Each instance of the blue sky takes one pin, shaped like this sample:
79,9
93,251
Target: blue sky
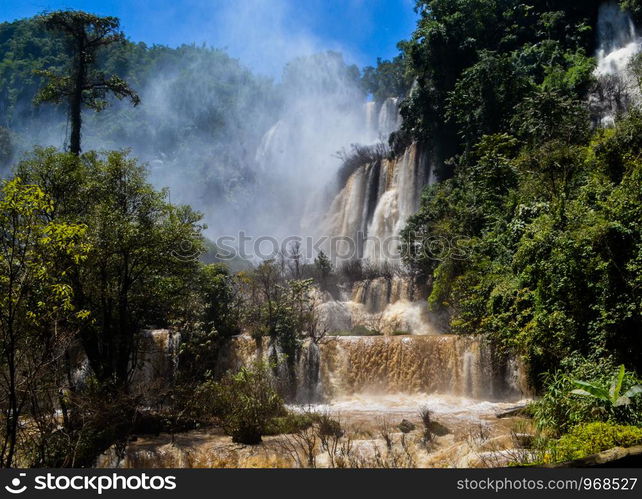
264,34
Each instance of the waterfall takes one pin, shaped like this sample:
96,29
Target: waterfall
401,183
157,356
372,125
618,42
341,367
366,217
389,117
363,222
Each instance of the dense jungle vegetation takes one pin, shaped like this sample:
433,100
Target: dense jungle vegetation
549,204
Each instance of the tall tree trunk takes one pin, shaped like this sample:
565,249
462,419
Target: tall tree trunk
75,100
12,409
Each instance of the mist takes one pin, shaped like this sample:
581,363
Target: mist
254,153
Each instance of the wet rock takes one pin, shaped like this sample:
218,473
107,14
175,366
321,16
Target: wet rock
514,412
406,426
438,429
524,440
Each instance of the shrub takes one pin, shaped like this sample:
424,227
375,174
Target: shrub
245,402
611,395
291,423
97,418
358,157
587,439
559,411
352,271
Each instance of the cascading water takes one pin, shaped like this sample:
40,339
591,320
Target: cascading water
342,367
364,221
371,209
156,360
389,117
618,43
387,305
408,364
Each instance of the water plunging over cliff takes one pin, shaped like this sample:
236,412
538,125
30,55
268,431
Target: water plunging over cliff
618,42
375,203
364,221
339,368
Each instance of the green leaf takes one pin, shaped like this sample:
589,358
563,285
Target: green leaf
633,391
621,401
594,390
583,393
616,386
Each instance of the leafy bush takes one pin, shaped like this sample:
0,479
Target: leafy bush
245,402
209,314
613,395
587,439
559,410
292,422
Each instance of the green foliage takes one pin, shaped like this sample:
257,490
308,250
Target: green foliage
548,115
616,147
245,401
209,314
475,60
559,411
37,305
135,273
6,147
202,121
101,418
282,309
587,439
612,395
292,422
485,96
635,6
387,79
323,267
540,236
81,83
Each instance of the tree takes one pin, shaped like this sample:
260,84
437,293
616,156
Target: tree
548,115
36,301
387,79
6,147
295,255
85,35
137,266
323,267
211,315
485,96
246,401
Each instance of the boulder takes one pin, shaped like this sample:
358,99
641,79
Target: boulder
438,429
406,426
